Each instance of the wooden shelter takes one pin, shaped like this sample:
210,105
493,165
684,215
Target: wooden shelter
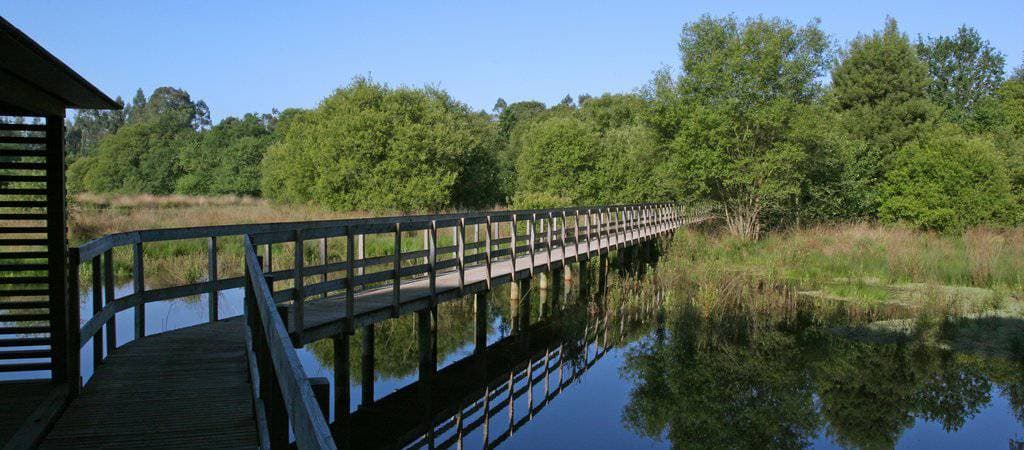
35,312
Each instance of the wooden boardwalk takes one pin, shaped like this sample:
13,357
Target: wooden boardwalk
326,317
194,387
187,388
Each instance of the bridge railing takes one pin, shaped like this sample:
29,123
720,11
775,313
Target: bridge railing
282,395
492,236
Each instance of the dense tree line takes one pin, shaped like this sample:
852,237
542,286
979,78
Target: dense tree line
764,117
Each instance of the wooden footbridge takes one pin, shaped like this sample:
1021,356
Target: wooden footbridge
238,381
234,382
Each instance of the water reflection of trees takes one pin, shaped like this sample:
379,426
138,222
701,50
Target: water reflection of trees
745,377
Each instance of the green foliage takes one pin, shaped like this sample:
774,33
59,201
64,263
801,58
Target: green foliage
879,90
732,135
226,159
601,152
370,147
947,181
965,71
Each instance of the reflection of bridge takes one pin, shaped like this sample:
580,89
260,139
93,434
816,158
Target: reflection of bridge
472,393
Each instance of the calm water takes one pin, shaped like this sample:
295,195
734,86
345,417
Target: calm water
616,369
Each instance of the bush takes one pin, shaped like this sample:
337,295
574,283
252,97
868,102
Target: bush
947,181
370,147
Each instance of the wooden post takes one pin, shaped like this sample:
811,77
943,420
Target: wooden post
461,254
396,279
532,235
367,369
432,260
480,314
551,223
97,305
60,299
322,392
342,395
514,238
74,337
350,285
268,258
108,293
426,338
322,244
360,252
487,249
211,276
299,298
561,236
576,234
138,273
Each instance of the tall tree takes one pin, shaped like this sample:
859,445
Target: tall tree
965,70
732,143
879,89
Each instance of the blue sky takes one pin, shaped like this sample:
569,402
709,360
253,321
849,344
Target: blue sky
252,56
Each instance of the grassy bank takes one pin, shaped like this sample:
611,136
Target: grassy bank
961,290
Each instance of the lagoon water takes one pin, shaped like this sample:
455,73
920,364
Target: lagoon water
639,370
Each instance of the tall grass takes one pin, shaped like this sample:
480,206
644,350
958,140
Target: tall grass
885,254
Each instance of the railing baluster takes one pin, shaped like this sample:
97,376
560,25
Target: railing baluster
514,238
533,238
108,288
487,249
350,307
138,273
432,257
461,254
74,336
323,261
551,223
396,280
299,296
97,305
576,234
211,276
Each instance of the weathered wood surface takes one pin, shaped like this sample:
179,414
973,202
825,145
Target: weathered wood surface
20,399
186,388
326,317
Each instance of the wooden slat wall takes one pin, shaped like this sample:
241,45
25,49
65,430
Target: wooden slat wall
25,253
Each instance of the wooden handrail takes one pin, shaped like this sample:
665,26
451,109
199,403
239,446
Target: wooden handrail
278,365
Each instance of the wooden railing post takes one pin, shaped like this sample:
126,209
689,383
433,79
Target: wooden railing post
350,304
487,249
97,306
138,273
108,294
532,235
576,233
211,276
396,283
561,236
514,238
590,233
432,257
461,254
322,244
299,296
551,223
74,336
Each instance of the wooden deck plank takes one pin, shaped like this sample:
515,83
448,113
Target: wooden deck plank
186,388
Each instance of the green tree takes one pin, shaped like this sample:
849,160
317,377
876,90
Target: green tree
730,139
226,159
965,70
556,158
947,181
370,147
879,89
142,156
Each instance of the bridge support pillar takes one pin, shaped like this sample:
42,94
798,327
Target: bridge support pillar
544,280
480,313
367,370
426,337
342,395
